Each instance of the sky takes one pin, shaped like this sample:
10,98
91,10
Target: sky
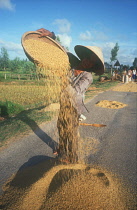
101,23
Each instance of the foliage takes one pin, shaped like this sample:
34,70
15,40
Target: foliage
135,62
9,108
58,39
114,52
4,59
125,67
29,67
16,65
131,67
22,66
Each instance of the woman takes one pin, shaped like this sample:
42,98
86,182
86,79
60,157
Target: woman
134,74
72,100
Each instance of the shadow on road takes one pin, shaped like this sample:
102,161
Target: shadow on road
37,130
31,171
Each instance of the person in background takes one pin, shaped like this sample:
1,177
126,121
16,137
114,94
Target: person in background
113,74
124,73
129,75
134,75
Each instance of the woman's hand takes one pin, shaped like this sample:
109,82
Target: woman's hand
44,32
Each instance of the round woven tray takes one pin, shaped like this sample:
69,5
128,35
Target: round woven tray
35,35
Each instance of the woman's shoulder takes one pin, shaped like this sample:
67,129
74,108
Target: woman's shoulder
86,73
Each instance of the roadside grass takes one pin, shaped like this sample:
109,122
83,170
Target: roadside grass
8,108
98,87
16,125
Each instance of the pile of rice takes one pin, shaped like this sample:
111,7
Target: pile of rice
73,186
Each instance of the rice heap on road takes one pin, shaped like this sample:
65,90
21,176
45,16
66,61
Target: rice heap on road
110,104
74,186
127,87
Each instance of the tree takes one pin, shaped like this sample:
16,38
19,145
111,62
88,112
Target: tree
125,67
4,59
22,66
15,65
135,62
58,39
65,48
114,52
28,67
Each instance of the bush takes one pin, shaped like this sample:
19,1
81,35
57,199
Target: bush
8,108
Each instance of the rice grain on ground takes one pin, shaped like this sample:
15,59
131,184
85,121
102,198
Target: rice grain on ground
73,186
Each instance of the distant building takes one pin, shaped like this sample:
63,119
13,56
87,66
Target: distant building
117,64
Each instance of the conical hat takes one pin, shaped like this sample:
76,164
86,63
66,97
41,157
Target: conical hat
84,52
73,60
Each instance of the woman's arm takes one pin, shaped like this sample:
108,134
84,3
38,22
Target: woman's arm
82,83
45,32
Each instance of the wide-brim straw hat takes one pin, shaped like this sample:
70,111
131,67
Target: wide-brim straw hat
85,51
73,60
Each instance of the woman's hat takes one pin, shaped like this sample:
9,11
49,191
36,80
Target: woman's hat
73,60
87,51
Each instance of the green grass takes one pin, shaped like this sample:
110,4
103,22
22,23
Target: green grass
99,87
8,108
106,85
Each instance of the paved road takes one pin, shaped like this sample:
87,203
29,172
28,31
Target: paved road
116,144
112,147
